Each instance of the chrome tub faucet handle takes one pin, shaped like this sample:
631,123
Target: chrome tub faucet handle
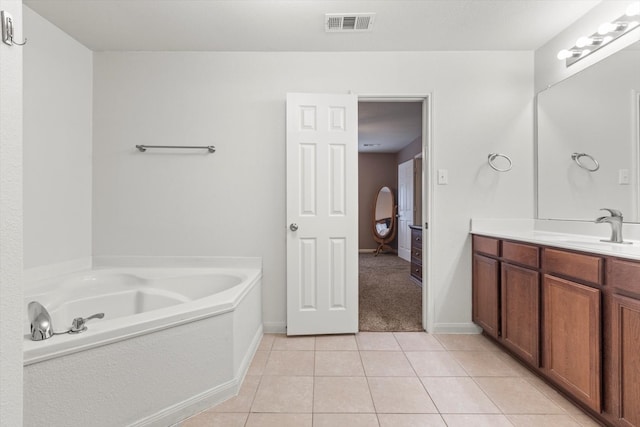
78,324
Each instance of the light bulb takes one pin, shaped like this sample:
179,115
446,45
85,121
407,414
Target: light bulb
633,9
583,41
565,53
606,28
607,39
585,52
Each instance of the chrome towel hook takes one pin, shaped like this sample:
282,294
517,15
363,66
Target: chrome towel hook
576,158
494,156
7,30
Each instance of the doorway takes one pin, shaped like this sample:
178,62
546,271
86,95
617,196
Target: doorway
392,144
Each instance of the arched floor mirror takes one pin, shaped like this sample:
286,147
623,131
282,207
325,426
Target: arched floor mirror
384,220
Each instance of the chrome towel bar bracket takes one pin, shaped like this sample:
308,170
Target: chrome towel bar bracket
209,148
493,156
576,158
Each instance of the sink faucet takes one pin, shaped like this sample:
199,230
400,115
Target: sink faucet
615,219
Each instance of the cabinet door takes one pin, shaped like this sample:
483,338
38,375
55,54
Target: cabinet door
571,330
486,291
521,311
626,359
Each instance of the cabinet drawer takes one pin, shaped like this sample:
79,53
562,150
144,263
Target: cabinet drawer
416,238
416,271
579,266
416,255
624,275
521,254
486,245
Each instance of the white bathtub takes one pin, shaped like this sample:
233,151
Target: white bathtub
173,341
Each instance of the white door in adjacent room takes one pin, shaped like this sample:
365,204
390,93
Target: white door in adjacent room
405,208
322,214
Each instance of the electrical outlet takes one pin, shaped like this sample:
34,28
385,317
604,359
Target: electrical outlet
443,176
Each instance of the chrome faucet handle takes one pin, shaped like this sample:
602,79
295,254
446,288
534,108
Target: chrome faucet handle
614,212
78,324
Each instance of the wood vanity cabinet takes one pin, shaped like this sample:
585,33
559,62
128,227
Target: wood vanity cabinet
520,300
571,329
623,378
486,285
545,305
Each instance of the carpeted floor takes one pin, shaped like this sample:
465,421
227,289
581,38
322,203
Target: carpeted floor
389,299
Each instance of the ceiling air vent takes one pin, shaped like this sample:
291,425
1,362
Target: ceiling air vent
346,22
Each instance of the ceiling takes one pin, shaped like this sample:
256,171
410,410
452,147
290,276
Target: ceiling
298,25
390,126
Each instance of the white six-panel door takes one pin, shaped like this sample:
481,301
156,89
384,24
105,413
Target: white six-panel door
322,214
405,208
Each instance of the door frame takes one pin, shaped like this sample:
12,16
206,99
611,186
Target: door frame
428,304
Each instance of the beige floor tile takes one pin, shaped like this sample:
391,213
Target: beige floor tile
295,362
279,420
466,342
242,402
384,341
258,363
284,394
556,397
386,364
348,420
342,394
584,420
267,342
458,395
417,341
435,364
516,365
477,420
336,343
542,421
484,364
400,395
283,342
517,396
411,420
213,419
338,364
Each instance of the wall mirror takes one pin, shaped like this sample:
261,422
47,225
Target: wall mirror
384,219
588,141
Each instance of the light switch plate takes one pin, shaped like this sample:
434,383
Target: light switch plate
443,176
623,176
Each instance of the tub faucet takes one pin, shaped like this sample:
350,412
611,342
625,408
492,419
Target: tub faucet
42,329
615,219
40,320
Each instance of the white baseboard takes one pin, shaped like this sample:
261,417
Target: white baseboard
456,328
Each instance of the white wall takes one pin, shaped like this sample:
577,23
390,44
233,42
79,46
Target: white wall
11,308
57,145
549,70
233,202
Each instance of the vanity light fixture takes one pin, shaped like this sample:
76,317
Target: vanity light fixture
607,32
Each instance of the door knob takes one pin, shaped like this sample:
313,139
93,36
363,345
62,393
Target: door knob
293,227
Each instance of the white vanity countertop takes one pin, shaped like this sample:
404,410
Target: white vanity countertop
524,231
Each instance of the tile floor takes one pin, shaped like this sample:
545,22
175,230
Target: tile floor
389,379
